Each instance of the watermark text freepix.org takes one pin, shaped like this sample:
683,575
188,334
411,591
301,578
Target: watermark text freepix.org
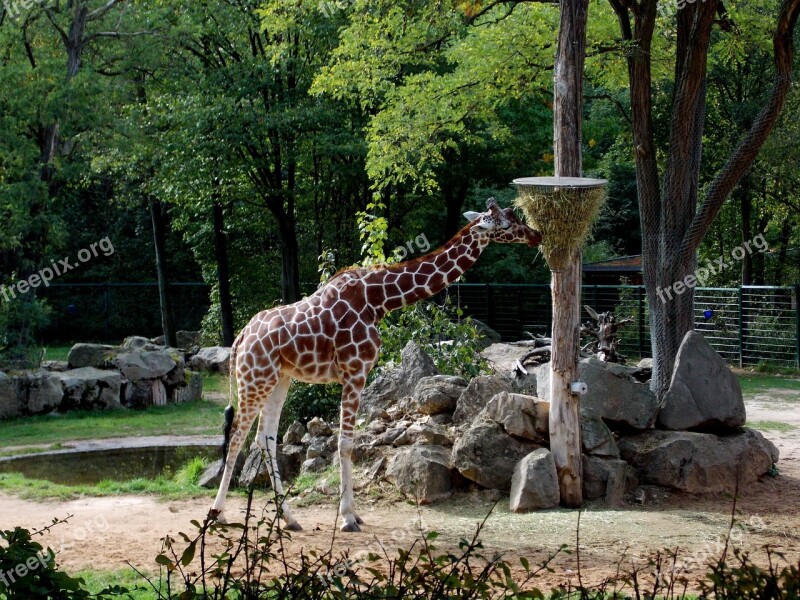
56,269
701,275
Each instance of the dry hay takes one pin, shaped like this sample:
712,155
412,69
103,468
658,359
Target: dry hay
564,217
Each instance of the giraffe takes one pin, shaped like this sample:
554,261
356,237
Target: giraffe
332,336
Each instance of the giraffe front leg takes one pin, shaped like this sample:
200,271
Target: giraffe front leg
351,396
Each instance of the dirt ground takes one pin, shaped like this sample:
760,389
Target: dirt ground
105,532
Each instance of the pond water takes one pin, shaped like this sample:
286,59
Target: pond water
87,467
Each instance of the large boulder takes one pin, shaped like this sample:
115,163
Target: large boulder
613,394
534,483
438,393
192,390
215,359
608,479
476,396
597,438
43,392
487,455
12,402
394,385
520,415
89,388
139,366
704,393
422,471
254,470
699,462
91,355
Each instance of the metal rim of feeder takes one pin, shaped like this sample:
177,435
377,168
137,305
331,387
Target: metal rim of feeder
564,222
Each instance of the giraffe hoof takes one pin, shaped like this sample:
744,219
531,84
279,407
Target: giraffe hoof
217,516
293,527
359,520
351,527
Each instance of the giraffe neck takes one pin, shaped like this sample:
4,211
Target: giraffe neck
408,282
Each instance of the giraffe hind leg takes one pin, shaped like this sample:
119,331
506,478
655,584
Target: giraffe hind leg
267,440
250,402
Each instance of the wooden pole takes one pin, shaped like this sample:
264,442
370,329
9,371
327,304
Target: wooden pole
565,425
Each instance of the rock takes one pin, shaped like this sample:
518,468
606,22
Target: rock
192,391
56,366
91,355
613,394
212,476
138,366
12,403
488,335
502,357
645,363
609,479
318,447
487,455
480,390
534,483
43,392
318,427
699,462
523,416
254,470
137,394
393,385
376,469
422,471
140,343
377,414
597,438
313,465
294,433
388,437
427,433
438,393
703,393
363,448
88,388
215,359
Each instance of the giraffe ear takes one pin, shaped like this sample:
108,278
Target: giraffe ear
472,215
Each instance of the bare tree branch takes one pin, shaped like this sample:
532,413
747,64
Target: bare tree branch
103,10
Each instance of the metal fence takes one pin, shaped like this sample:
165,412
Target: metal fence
113,311
746,325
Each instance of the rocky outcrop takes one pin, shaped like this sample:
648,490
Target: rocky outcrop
422,471
703,394
520,415
699,462
215,359
476,396
534,483
487,455
89,388
438,394
608,479
391,386
98,356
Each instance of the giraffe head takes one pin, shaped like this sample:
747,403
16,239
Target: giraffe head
502,225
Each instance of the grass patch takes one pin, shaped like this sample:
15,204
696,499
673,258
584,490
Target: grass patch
56,352
756,383
128,578
771,426
193,418
216,383
40,489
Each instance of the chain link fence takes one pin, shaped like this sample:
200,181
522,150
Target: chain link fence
747,325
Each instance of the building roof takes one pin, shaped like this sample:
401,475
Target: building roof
622,264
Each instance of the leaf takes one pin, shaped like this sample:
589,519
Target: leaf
188,554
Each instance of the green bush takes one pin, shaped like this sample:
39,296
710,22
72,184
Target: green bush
308,400
20,319
452,341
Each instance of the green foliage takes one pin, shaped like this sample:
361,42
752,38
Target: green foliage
20,319
452,341
28,570
306,401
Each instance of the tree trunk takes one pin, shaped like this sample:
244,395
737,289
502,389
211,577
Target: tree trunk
223,276
290,264
744,192
160,242
565,425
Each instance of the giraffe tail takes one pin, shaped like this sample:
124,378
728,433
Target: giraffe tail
230,411
226,431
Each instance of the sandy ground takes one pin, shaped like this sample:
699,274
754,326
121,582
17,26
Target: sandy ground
104,533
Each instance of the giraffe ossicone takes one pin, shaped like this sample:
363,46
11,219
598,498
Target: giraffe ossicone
332,336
